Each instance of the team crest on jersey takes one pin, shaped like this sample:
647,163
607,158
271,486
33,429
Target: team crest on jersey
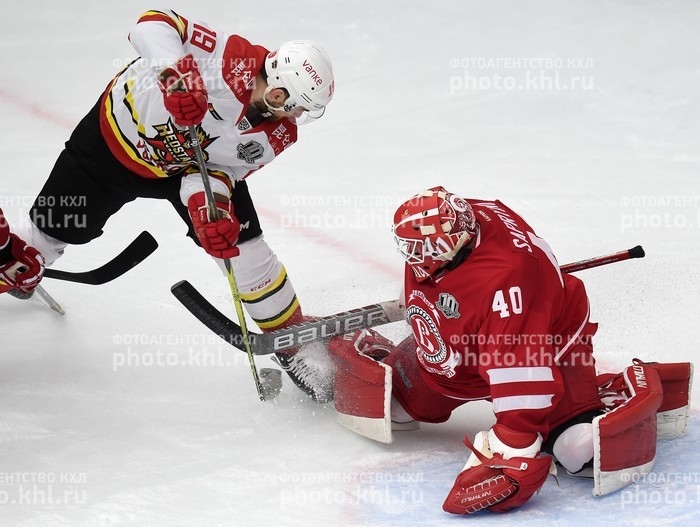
171,149
433,353
250,152
433,348
448,304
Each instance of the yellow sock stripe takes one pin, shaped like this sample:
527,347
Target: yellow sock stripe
281,318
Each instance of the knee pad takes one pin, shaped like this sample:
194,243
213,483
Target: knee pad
574,447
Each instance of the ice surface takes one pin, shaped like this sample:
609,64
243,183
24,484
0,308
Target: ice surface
128,412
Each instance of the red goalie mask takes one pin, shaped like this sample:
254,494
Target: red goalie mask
430,228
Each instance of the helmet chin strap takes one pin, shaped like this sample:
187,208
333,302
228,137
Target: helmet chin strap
305,118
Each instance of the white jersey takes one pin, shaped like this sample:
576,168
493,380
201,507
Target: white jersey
143,135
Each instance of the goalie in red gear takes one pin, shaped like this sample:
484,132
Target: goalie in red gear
493,317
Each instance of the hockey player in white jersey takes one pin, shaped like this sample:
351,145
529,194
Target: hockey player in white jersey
245,103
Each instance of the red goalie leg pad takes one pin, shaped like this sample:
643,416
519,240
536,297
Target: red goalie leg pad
676,379
674,413
362,385
625,438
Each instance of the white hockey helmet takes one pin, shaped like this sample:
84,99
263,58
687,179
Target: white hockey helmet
304,69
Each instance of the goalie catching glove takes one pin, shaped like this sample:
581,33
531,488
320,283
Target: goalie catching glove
504,471
218,237
184,93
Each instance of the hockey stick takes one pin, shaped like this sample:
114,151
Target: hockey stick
268,382
634,252
137,251
331,325
46,297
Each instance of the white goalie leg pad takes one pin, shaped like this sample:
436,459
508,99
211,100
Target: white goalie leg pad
624,439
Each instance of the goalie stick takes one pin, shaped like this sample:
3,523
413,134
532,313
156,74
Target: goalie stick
330,325
136,252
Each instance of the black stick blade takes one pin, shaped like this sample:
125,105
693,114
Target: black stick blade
207,314
136,252
636,252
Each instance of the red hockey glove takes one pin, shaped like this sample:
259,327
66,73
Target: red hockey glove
24,270
184,92
219,237
496,481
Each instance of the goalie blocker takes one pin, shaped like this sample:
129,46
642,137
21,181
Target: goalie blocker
644,403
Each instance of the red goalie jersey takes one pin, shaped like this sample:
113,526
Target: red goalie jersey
503,324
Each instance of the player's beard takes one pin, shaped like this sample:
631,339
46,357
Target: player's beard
265,112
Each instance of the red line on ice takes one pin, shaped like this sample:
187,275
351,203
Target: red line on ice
36,110
349,251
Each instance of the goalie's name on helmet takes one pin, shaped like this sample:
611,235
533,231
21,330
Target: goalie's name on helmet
321,329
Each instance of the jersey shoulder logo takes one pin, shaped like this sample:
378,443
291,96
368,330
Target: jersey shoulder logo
448,304
250,152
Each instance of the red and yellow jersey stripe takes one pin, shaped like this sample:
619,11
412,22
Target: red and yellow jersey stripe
174,20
